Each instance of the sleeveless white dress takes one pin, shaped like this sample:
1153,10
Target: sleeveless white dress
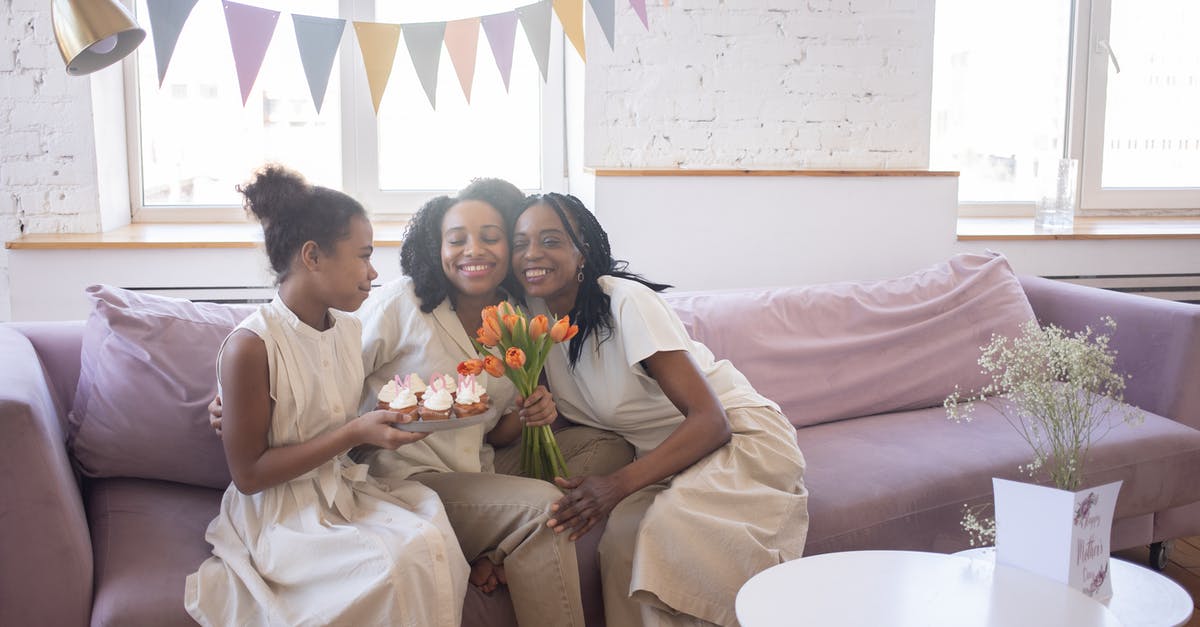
330,547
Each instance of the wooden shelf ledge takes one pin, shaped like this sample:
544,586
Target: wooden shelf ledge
768,172
1086,228
177,235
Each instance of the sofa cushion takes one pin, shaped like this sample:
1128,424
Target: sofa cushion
147,374
899,481
840,350
147,536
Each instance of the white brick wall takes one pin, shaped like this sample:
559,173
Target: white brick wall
762,83
47,151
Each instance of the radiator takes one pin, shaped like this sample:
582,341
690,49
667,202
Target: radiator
227,295
1181,287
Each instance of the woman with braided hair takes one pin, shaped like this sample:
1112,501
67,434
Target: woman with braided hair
717,464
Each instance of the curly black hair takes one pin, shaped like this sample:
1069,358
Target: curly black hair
593,308
292,212
421,252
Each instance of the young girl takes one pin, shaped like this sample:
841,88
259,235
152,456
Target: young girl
716,493
304,537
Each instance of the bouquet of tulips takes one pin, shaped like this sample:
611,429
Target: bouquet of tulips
521,346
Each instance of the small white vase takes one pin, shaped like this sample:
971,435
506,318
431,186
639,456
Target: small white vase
1061,535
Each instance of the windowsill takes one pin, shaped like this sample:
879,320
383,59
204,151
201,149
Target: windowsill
390,234
1086,228
144,235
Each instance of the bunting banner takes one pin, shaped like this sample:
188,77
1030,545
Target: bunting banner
462,42
639,7
570,15
535,20
166,22
318,40
250,31
377,43
501,31
424,43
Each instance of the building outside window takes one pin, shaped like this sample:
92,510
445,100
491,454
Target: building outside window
192,140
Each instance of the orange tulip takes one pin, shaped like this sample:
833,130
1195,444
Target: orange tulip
489,312
470,367
489,333
538,327
514,357
563,330
512,321
505,309
493,366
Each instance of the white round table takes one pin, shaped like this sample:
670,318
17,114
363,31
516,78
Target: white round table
906,588
1141,597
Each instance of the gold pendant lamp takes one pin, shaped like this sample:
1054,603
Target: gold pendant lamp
93,34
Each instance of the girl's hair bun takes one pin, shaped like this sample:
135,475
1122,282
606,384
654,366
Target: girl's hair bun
274,189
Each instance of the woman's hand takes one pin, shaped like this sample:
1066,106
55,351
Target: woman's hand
375,428
214,414
539,409
588,500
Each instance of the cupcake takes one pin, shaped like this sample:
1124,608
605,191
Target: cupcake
436,404
405,403
472,398
444,380
388,392
414,383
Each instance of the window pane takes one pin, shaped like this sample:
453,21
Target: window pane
999,93
1152,108
198,141
497,134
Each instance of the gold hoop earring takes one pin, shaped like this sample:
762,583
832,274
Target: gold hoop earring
579,276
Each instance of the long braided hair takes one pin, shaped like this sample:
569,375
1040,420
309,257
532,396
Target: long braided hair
593,308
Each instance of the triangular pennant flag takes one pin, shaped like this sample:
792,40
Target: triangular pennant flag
424,42
570,15
167,18
535,19
606,12
462,42
250,31
377,42
501,31
318,39
639,7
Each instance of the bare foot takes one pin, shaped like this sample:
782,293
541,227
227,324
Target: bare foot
485,575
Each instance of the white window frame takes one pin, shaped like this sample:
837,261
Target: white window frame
359,133
1084,133
1093,19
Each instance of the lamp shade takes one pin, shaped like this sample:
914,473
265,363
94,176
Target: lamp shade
93,34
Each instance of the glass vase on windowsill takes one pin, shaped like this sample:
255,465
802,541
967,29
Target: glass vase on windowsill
1057,196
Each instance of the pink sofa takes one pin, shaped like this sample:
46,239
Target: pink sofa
106,533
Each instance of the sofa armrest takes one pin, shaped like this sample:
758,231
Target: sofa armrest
46,571
1157,341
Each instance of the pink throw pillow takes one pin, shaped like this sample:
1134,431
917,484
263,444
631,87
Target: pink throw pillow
843,350
147,374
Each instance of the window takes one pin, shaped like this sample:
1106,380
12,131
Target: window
192,140
1019,85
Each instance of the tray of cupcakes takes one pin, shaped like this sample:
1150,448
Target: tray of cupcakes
441,405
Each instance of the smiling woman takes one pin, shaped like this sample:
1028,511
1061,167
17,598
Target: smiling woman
712,451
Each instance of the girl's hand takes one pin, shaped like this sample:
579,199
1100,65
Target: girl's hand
375,428
539,409
587,501
214,414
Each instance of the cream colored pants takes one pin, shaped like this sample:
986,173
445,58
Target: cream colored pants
587,450
504,518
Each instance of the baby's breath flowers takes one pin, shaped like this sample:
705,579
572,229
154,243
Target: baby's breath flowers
1058,390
